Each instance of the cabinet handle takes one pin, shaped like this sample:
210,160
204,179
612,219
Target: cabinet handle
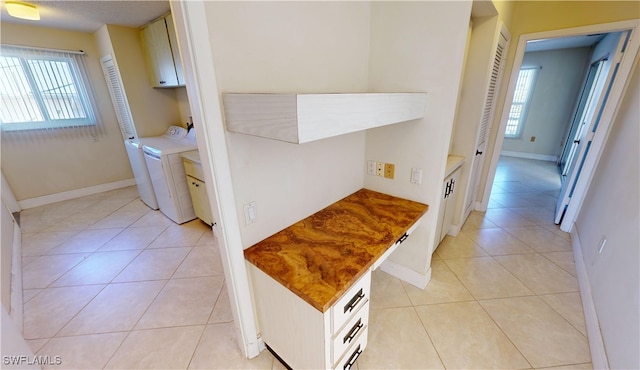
352,359
163,82
353,332
354,301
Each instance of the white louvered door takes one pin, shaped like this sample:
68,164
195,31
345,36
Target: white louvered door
487,116
118,98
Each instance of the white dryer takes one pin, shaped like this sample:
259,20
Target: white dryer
166,169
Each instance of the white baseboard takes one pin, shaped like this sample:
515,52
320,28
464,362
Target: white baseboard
596,343
540,157
72,194
406,274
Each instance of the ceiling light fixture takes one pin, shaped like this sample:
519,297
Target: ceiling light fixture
22,10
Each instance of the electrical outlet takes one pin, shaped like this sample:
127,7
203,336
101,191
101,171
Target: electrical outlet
389,170
371,168
379,168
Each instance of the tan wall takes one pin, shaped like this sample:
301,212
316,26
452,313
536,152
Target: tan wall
153,110
43,166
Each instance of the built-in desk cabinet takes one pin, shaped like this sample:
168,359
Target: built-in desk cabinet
161,48
330,340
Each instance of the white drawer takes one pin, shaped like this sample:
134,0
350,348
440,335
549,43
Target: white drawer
349,358
350,302
193,169
350,333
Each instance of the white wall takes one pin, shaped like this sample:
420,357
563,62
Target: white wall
611,211
290,47
553,100
417,46
41,166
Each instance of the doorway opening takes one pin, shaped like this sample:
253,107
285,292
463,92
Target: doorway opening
575,137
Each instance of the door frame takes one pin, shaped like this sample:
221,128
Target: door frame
192,32
608,114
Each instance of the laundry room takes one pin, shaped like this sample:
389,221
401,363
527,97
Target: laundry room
45,166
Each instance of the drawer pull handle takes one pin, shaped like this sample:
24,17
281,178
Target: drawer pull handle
353,332
354,301
352,359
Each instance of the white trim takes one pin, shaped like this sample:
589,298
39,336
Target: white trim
17,302
406,274
192,32
596,343
595,149
454,230
540,157
72,194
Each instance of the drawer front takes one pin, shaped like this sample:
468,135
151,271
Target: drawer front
350,302
349,358
193,169
350,333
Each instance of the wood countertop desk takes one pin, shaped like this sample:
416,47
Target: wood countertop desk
321,256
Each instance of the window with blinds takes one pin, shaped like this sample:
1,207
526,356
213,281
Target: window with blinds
521,99
43,89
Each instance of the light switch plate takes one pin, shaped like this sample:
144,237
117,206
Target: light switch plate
416,176
250,214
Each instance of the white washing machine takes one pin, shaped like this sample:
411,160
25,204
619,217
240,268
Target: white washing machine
166,170
139,166
140,172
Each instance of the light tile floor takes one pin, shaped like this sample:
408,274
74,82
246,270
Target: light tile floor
108,283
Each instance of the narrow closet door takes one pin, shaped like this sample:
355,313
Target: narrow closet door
118,98
487,117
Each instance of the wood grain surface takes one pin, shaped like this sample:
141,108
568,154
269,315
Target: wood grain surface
320,257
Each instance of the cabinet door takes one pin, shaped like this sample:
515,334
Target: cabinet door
200,199
159,56
449,193
173,41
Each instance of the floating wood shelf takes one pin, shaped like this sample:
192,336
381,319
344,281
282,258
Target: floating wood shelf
301,118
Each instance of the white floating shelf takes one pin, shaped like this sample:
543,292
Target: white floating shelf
301,118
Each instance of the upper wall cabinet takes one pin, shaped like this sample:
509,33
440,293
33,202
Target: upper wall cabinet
301,118
161,47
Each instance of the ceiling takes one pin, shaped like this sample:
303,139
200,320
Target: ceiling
90,15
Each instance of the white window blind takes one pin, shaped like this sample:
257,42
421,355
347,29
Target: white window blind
521,99
44,89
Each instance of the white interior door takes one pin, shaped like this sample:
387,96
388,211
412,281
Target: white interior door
585,133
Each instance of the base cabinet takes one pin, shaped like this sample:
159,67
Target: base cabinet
449,194
197,189
306,338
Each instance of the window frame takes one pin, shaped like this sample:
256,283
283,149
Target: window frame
27,57
524,101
